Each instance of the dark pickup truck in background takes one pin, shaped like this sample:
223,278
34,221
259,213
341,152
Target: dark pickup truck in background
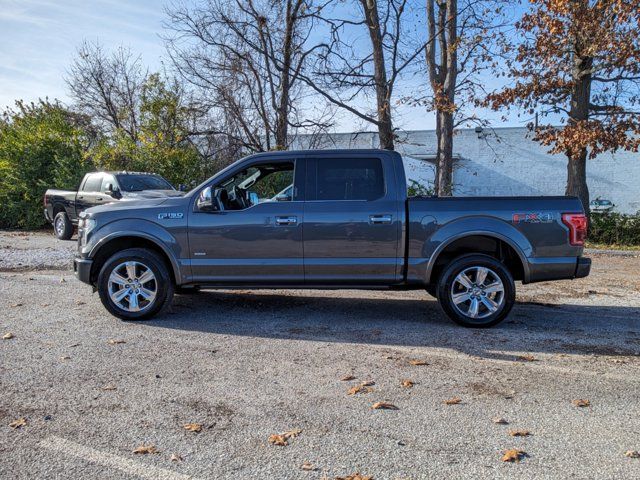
328,219
62,207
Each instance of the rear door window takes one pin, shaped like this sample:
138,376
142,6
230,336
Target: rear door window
349,179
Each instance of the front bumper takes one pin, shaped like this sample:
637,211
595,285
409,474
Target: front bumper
583,267
82,269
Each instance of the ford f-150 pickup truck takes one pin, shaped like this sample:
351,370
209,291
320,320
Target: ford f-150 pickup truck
62,207
328,219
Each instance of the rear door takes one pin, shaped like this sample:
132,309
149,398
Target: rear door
351,220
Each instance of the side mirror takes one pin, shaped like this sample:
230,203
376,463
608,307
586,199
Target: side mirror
205,200
112,192
182,187
283,197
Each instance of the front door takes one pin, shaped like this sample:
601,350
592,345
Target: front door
254,235
352,225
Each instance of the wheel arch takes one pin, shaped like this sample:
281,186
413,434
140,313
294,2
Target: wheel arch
487,242
117,242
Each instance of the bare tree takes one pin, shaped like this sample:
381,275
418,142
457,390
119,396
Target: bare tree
245,58
344,75
107,87
463,34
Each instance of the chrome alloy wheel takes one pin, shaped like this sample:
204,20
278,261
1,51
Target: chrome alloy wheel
477,292
59,226
132,286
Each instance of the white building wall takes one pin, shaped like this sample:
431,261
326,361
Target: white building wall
505,162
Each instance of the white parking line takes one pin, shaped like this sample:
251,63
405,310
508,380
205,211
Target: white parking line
125,465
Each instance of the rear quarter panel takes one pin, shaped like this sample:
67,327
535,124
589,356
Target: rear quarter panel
531,225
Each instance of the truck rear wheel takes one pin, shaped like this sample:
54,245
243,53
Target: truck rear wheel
476,291
62,226
135,284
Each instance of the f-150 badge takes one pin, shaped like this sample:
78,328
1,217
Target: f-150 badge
532,217
170,215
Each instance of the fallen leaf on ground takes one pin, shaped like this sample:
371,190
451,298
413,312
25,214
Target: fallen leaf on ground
279,440
21,422
7,336
108,388
355,476
145,449
359,389
632,454
282,438
519,433
347,378
581,402
384,406
453,401
368,383
115,341
62,280
513,455
80,302
418,362
175,457
499,420
65,357
193,427
527,358
306,466
407,383
16,305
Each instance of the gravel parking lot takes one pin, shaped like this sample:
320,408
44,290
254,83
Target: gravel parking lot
244,365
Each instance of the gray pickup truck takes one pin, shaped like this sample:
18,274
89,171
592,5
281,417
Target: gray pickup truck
328,219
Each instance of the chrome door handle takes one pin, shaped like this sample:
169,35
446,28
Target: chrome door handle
380,219
286,220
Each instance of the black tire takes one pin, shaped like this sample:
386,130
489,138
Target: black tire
62,226
162,282
476,293
432,290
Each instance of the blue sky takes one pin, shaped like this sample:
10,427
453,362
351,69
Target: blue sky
38,39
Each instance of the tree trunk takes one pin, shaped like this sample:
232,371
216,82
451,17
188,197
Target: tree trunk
444,170
579,113
383,92
282,114
577,178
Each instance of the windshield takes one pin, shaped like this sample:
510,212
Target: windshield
138,183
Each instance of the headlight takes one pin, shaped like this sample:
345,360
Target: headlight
85,226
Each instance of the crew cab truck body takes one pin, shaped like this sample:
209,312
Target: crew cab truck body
328,219
63,207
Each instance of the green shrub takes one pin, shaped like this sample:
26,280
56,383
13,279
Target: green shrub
612,228
42,146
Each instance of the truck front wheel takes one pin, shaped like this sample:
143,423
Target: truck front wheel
135,284
476,291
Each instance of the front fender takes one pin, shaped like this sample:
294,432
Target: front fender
138,229
478,225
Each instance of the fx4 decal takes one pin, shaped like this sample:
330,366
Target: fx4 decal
532,217
170,215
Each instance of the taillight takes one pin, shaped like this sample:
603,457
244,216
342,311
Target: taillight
577,223
44,200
